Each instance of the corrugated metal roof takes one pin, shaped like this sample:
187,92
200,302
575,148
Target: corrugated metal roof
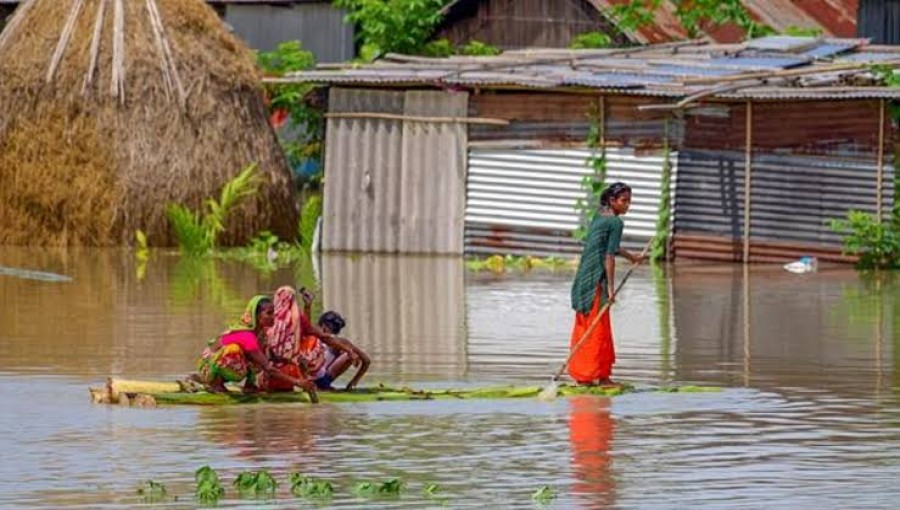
833,17
662,71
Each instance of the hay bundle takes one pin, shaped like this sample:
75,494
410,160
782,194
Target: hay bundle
112,109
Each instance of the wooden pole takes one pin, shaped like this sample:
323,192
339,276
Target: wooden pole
879,180
748,160
415,118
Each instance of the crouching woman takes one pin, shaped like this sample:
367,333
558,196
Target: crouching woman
237,354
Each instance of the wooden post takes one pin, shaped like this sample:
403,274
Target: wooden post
879,179
748,157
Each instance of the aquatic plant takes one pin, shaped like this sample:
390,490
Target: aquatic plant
500,264
544,495
198,235
431,490
152,492
304,486
209,490
309,217
258,484
390,488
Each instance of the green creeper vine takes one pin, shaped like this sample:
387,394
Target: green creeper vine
594,183
664,220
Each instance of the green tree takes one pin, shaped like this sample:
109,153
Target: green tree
392,26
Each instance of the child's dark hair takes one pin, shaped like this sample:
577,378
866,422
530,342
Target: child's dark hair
333,321
612,192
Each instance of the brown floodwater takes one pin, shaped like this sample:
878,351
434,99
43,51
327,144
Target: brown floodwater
809,416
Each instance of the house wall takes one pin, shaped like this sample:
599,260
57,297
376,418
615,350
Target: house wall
811,162
560,119
318,26
394,186
879,20
510,24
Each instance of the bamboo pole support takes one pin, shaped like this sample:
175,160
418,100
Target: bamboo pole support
415,118
748,161
879,179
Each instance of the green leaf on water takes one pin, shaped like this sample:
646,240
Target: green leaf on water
544,495
431,490
209,490
152,492
391,488
259,484
307,487
364,489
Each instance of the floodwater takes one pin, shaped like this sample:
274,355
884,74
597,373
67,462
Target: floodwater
809,416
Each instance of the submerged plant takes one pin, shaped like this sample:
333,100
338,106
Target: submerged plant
209,490
544,495
198,235
391,488
152,492
259,484
307,487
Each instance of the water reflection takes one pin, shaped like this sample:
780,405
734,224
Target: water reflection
764,327
407,312
591,430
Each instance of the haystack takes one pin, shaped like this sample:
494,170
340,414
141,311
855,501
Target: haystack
112,109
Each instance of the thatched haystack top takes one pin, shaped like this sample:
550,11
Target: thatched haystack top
135,104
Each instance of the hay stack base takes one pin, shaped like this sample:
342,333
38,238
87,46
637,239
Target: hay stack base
114,109
153,393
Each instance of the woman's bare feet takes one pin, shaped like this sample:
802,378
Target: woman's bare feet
608,383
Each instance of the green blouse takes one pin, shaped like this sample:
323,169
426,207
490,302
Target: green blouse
603,239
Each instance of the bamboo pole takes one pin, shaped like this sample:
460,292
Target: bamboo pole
415,118
879,180
748,160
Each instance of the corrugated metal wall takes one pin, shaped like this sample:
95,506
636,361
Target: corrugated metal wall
318,26
811,162
523,202
387,302
879,20
394,186
553,119
791,201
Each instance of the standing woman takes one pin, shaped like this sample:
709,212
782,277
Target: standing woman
594,286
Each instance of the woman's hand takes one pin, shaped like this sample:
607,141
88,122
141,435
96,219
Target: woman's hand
307,296
307,385
611,296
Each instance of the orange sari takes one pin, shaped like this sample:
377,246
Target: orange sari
596,356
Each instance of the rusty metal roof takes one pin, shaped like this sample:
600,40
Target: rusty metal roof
836,18
811,68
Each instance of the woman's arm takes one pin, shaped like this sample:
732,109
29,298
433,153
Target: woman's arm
634,259
609,263
259,359
364,363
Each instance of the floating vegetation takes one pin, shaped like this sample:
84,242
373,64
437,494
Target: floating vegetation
391,488
510,263
258,484
307,487
432,490
209,489
183,393
152,492
544,495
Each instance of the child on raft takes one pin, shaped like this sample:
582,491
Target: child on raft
237,355
594,286
329,357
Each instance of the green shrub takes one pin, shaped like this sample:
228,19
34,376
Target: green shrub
876,244
590,40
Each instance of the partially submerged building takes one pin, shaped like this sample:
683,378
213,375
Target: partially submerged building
757,145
